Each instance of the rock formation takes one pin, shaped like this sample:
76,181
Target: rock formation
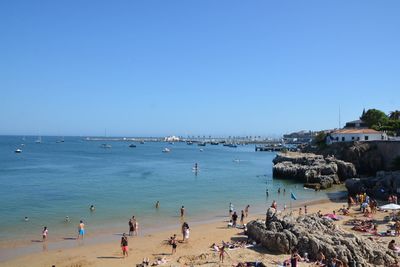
379,187
311,234
314,170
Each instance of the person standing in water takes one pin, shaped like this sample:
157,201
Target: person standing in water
131,227
230,209
81,230
157,204
45,233
124,245
246,210
92,208
183,211
267,192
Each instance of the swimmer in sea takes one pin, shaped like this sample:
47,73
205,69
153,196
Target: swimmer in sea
66,219
26,219
157,204
92,208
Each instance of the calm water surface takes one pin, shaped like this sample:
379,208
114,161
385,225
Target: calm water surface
49,181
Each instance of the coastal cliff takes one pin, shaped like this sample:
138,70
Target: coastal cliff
316,171
367,157
311,234
380,186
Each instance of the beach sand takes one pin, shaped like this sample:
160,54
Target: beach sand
196,252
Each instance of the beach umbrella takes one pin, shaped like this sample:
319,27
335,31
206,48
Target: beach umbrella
390,206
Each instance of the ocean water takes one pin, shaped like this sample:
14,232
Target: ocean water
50,181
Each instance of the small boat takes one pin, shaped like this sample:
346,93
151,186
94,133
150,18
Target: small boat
202,144
166,150
18,150
232,145
142,142
22,144
171,143
189,143
214,143
39,140
106,146
132,145
201,150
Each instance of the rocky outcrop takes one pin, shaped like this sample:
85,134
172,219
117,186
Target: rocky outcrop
380,186
314,170
368,157
311,234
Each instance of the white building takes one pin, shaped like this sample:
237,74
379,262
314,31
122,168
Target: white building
171,139
355,134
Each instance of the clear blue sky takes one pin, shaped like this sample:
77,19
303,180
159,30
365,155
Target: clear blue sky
194,67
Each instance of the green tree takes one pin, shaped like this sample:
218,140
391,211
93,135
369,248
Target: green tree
394,115
320,139
375,118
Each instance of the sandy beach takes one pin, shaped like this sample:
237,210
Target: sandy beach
195,252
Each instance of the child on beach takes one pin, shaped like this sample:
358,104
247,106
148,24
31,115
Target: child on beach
81,230
44,233
222,253
124,245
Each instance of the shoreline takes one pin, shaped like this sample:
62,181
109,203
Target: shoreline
16,252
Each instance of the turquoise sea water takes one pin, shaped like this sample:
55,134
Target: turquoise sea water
49,181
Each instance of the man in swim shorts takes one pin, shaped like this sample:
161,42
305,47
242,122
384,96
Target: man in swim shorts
81,230
124,245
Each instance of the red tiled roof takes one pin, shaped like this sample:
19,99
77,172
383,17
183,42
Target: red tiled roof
357,131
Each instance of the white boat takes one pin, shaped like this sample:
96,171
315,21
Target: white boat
39,140
18,150
201,150
166,150
106,146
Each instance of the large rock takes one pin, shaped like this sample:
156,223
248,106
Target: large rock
380,186
311,234
312,169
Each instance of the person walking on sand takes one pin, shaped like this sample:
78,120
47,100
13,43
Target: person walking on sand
305,209
183,211
242,218
45,232
185,226
246,210
174,244
222,253
81,230
124,245
230,208
234,219
131,227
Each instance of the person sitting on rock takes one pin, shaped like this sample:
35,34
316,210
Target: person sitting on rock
271,213
320,259
392,246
